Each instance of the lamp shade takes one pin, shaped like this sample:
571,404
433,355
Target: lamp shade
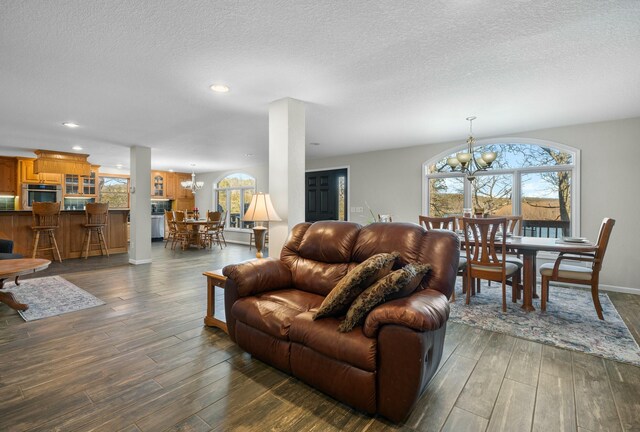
260,209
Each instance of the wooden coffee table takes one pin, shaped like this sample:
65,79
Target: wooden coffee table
14,268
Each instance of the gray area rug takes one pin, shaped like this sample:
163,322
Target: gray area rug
50,296
570,321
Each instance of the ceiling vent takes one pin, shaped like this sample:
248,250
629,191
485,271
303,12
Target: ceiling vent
61,163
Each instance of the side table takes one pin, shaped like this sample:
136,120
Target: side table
215,279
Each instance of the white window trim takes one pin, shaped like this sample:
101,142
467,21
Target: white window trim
516,198
242,189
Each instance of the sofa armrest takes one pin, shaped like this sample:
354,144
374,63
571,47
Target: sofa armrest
423,310
254,277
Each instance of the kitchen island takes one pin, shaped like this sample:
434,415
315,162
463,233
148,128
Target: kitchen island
16,225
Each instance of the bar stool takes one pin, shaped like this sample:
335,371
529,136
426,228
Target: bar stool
96,220
46,218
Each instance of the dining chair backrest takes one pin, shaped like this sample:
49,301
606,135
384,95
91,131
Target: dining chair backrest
179,216
603,240
96,213
46,214
514,225
223,221
429,222
214,216
168,215
482,242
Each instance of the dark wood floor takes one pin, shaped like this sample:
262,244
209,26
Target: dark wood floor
144,362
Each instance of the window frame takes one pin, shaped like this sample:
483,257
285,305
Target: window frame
516,197
120,176
241,189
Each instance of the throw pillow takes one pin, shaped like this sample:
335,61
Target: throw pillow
399,280
356,281
421,272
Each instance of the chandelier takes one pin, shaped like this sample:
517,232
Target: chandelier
468,163
192,184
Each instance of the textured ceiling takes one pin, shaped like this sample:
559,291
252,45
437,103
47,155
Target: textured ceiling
374,74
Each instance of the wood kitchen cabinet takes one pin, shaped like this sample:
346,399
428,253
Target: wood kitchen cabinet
158,184
170,185
8,176
182,193
76,185
27,175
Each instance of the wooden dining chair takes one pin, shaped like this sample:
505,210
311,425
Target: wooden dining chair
183,232
486,254
447,223
429,222
212,228
559,272
514,227
171,224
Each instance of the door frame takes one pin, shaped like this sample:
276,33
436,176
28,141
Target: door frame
348,168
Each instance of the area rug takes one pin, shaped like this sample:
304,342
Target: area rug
50,296
570,321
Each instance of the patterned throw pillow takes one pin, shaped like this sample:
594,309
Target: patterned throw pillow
421,272
399,280
356,281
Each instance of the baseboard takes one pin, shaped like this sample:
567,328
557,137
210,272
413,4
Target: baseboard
245,243
138,262
603,287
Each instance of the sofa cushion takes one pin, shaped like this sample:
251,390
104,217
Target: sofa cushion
404,280
272,312
404,238
357,280
322,336
329,242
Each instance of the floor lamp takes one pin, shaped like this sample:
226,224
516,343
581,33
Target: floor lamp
260,210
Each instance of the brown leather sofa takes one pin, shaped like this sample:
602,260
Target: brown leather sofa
382,367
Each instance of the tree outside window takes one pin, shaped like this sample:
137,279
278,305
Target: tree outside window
532,180
233,194
114,190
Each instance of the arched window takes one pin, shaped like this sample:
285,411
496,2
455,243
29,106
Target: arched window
233,195
536,179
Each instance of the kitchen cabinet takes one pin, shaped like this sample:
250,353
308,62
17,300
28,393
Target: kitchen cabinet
182,193
27,175
89,184
158,184
170,185
71,184
76,185
8,176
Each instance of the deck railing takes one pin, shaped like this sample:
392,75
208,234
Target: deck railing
546,228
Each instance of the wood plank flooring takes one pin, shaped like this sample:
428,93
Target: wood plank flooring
144,362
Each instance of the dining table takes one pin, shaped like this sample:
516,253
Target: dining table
194,231
529,247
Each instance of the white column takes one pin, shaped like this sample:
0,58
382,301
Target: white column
286,168
140,233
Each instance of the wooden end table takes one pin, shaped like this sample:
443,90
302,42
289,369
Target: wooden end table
215,279
14,268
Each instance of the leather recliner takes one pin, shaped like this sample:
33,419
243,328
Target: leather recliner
381,367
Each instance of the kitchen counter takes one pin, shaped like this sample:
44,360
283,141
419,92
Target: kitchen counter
16,225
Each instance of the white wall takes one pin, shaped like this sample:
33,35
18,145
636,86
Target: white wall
204,197
390,182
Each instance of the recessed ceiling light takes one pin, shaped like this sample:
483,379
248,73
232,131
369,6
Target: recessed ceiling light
219,88
76,147
118,166
249,154
314,144
170,170
70,125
